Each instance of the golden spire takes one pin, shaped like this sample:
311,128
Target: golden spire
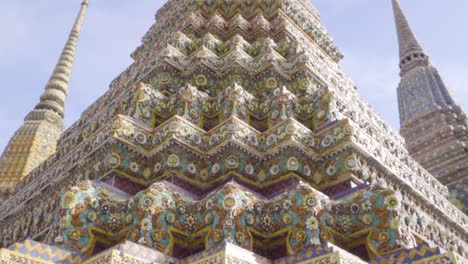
56,89
37,138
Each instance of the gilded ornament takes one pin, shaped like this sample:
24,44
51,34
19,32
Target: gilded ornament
170,218
249,169
165,78
209,218
392,203
146,224
312,223
241,237
331,170
250,219
201,80
384,237
229,202
217,235
191,168
204,174
367,219
287,219
75,234
134,167
114,160
215,168
232,162
274,169
293,164
146,173
157,235
395,223
68,200
173,161
92,216
300,236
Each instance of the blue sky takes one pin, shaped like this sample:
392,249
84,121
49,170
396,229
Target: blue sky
34,32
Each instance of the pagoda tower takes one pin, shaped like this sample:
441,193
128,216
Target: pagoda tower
435,128
37,137
233,137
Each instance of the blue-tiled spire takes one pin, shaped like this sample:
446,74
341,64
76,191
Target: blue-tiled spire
421,89
435,128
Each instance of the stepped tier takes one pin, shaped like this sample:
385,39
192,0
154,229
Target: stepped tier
134,151
161,215
163,127
129,252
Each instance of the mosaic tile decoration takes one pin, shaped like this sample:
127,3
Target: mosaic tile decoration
409,255
307,254
46,252
139,251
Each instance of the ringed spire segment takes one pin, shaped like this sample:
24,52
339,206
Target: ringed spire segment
411,52
57,87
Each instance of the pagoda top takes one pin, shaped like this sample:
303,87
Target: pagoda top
56,89
411,52
169,17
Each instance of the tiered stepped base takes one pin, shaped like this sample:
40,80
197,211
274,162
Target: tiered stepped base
32,252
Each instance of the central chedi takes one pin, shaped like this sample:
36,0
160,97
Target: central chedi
234,137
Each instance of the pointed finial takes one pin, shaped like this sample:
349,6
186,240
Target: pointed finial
56,89
411,52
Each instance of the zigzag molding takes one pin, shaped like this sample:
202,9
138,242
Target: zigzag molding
186,215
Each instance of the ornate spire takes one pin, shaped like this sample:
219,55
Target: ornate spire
56,89
421,87
37,138
411,53
433,125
